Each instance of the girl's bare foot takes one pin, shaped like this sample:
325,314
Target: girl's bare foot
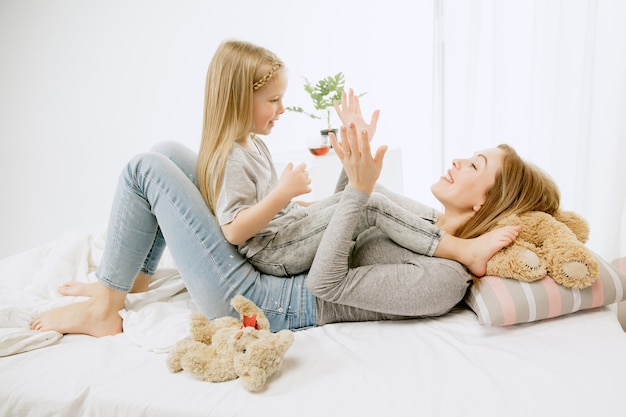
475,253
479,250
97,316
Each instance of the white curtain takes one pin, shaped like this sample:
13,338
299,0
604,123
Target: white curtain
549,78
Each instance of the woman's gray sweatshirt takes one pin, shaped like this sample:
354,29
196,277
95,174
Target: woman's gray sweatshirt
373,278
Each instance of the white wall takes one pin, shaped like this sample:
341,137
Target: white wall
86,85
549,78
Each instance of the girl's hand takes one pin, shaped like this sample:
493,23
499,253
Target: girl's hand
355,154
349,111
294,181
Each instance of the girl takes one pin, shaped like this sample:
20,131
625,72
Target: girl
254,207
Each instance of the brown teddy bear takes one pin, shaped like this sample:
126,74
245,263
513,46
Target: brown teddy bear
547,245
226,348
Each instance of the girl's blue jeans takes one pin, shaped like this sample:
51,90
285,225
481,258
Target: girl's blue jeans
157,201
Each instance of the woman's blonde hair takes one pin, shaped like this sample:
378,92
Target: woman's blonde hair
233,76
519,187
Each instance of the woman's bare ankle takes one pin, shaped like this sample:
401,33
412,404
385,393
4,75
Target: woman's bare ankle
75,288
98,316
141,284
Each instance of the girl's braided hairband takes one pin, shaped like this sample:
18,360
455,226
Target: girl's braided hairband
267,77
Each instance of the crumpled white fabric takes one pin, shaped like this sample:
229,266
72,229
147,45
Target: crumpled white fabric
153,320
16,337
156,319
15,340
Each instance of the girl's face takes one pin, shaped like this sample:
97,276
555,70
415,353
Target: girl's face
464,186
268,103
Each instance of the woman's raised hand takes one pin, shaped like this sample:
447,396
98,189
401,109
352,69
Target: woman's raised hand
349,111
355,154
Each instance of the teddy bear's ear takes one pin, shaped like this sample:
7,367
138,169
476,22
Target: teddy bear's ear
246,307
575,222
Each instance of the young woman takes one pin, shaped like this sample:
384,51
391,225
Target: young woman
375,279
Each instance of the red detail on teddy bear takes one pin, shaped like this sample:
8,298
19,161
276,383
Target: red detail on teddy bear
250,321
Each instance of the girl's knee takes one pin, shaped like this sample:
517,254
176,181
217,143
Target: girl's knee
144,163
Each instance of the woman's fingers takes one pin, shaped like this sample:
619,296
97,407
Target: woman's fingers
354,102
364,142
374,122
337,146
342,147
353,140
342,109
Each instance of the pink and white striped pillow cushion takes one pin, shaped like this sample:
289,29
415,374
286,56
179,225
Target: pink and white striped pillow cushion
502,301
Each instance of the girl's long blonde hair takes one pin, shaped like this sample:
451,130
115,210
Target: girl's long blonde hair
232,77
519,187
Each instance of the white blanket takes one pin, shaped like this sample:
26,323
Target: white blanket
153,320
448,366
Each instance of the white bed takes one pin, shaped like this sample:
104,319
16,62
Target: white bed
572,365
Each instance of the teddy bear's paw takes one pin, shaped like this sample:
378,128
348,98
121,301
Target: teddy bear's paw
176,353
576,270
529,260
528,266
173,363
517,262
575,274
254,380
570,264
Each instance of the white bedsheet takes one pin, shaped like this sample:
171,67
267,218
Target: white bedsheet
448,366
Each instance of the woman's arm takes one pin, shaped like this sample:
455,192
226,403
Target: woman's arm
398,282
331,264
378,275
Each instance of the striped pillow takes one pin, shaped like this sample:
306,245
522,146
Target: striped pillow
502,301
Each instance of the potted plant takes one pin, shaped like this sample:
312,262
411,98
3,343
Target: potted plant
323,93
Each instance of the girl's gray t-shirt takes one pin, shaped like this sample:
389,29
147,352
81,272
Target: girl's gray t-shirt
248,177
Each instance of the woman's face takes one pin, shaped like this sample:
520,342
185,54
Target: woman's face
464,186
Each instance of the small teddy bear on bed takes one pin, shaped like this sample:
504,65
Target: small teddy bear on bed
227,348
547,245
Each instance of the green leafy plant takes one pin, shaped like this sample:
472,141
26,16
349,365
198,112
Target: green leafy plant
323,93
